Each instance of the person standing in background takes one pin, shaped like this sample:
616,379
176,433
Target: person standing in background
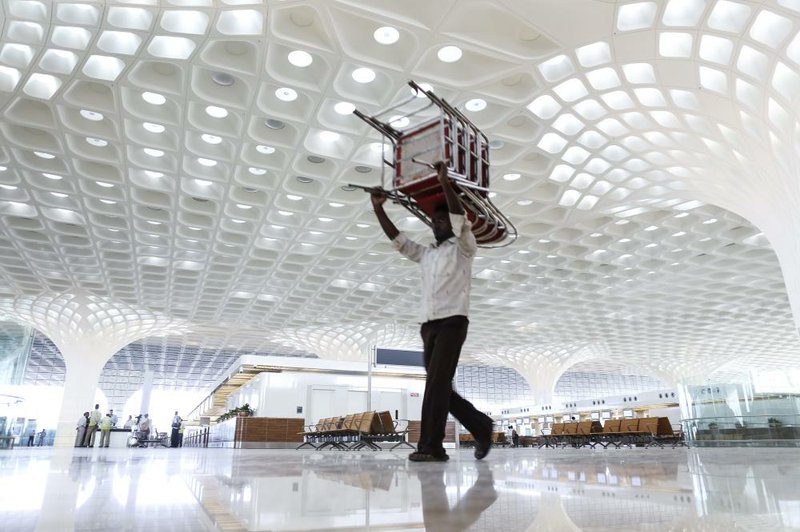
176,425
42,436
31,437
180,433
83,421
114,418
105,430
129,424
91,427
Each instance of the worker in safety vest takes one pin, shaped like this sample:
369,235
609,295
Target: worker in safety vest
105,430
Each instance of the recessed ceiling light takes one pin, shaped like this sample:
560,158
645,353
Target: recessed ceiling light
109,202
299,58
303,179
206,162
362,226
361,169
59,194
216,112
223,79
154,98
151,222
152,152
153,128
54,177
44,155
151,173
8,187
94,116
476,104
286,94
449,54
386,35
100,143
256,171
363,75
511,177
344,108
324,219
236,221
329,136
266,150
294,197
104,184
211,139
274,123
315,159
350,238
336,205
243,206
285,213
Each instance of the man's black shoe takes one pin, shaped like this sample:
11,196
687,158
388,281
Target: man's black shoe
483,445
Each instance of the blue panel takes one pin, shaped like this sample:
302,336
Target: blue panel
396,357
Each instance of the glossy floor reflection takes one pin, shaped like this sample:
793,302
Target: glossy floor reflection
514,489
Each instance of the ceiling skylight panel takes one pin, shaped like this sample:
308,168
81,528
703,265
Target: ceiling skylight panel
575,155
71,37
27,32
552,143
618,100
240,22
650,97
612,127
58,61
561,173
636,16
568,124
569,198
728,16
171,47
590,109
190,22
603,78
545,107
9,77
133,18
571,90
713,79
683,12
786,81
753,63
103,67
16,55
594,54
716,49
557,68
119,42
672,44
639,73
84,14
42,86
770,29
592,140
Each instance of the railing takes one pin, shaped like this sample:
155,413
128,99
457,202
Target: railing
197,438
775,430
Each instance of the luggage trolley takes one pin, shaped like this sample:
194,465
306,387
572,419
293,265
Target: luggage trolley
428,129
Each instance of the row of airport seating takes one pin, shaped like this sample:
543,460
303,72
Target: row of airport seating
498,439
647,431
364,430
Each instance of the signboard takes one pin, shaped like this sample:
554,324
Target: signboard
396,357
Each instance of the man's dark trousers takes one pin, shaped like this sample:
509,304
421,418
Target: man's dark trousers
442,340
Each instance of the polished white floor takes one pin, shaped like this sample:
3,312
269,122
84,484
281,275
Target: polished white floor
513,489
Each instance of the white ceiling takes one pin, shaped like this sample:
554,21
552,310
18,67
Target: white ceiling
625,134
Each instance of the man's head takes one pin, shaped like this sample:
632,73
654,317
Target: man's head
442,228
176,412
96,407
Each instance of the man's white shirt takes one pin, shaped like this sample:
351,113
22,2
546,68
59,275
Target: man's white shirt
446,270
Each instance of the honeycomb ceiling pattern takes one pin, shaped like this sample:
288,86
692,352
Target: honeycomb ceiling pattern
190,157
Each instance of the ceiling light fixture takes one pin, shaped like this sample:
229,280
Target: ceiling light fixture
206,162
223,79
286,94
211,139
344,108
266,150
154,98
152,152
216,112
449,54
94,116
54,177
476,104
511,177
386,35
153,128
329,136
256,171
301,59
363,75
100,143
274,123
44,155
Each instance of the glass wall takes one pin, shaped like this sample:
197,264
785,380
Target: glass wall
758,408
15,349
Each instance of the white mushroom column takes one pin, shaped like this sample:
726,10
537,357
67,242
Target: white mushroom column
88,330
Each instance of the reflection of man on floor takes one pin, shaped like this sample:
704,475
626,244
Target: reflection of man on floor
436,510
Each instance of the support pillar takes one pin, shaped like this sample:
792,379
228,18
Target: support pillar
147,388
